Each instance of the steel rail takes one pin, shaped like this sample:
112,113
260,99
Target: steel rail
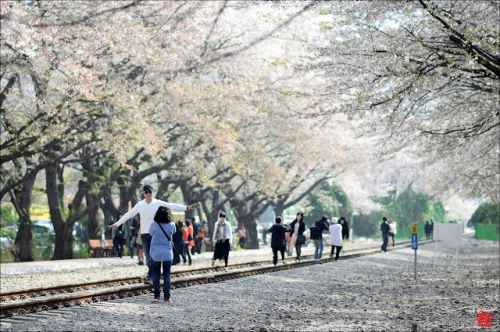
9,309
25,294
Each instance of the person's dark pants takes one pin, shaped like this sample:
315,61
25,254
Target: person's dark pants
199,244
339,249
195,249
242,242
275,254
345,235
146,243
183,255
187,253
166,278
131,243
385,238
298,250
119,250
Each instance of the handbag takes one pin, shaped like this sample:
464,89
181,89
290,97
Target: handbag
301,239
190,238
169,240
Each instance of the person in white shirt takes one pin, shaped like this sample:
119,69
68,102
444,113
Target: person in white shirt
392,231
335,237
222,239
147,209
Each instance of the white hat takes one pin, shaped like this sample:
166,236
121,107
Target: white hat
335,220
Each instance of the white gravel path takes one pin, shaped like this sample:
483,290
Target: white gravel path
362,294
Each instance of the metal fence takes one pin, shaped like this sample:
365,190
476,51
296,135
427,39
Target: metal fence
487,231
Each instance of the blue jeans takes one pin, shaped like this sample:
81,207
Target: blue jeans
131,243
166,278
146,243
385,238
318,248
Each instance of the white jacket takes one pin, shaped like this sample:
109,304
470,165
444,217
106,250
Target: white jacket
335,235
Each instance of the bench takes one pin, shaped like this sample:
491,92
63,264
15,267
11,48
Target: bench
98,250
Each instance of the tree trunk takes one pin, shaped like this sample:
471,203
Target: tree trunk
93,230
64,244
252,239
23,243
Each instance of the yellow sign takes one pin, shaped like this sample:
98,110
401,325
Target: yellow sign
414,229
39,213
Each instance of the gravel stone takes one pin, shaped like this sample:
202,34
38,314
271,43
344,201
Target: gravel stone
372,293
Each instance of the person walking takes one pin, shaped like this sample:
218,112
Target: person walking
288,240
384,228
188,240
242,236
147,209
178,242
345,228
264,233
118,239
317,236
161,250
222,239
131,226
278,239
392,231
195,226
335,238
297,229
140,248
432,229
427,230
200,235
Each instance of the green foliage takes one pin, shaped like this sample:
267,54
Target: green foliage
7,215
329,199
42,250
82,250
408,208
435,212
367,225
8,233
488,213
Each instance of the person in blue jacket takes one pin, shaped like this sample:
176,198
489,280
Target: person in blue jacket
161,231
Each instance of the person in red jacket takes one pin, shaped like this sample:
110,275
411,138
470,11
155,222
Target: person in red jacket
188,240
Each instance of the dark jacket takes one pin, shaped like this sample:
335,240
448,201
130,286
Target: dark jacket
318,229
118,240
384,227
278,239
178,239
302,227
345,226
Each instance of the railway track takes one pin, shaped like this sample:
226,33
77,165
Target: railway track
22,302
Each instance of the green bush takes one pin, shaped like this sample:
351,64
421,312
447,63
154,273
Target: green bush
329,200
487,213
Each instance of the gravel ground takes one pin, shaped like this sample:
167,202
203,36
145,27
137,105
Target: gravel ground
373,293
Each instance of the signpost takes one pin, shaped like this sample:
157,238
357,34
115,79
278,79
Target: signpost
414,246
